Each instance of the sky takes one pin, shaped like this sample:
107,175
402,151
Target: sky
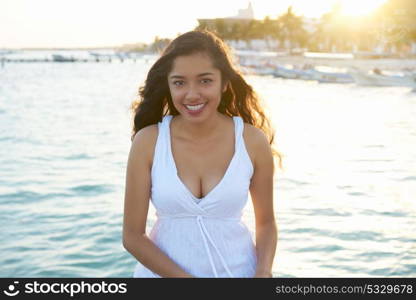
103,23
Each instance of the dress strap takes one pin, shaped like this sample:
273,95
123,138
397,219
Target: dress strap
239,131
161,154
163,131
164,125
241,145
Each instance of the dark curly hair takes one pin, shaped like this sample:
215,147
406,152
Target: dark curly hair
239,99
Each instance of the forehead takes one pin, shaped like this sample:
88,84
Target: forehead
192,65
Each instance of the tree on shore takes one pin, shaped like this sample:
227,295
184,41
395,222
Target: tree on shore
159,44
396,21
269,30
393,23
290,30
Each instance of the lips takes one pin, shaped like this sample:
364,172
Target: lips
194,109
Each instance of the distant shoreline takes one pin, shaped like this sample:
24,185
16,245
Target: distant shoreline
389,64
61,49
366,64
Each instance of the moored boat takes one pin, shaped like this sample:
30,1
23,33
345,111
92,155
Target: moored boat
374,79
330,77
62,58
293,73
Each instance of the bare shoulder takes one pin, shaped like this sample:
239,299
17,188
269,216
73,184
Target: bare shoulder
146,133
144,142
256,141
254,134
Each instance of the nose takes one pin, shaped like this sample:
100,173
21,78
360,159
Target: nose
192,93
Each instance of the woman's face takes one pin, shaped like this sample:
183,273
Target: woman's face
195,86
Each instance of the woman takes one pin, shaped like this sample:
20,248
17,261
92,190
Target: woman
199,144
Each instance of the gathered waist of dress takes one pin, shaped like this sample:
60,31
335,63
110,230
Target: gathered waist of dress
206,235
197,216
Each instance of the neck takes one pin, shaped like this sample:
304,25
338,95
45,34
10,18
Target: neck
199,130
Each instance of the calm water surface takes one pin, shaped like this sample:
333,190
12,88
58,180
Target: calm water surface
345,201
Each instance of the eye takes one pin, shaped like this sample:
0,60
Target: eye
178,82
206,80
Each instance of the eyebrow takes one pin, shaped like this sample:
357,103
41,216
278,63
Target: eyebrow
199,75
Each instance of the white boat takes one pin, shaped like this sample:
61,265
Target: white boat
328,55
373,79
330,77
260,71
313,74
257,66
292,73
62,58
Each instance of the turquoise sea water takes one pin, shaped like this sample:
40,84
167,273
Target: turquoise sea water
345,202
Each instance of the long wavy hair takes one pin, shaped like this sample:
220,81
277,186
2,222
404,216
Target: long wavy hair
239,99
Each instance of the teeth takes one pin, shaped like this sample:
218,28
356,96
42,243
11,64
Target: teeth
195,107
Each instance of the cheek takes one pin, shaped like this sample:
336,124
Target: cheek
216,94
177,97
212,92
174,93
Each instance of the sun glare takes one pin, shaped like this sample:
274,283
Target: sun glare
360,7
316,8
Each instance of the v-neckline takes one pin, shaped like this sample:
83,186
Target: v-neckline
176,169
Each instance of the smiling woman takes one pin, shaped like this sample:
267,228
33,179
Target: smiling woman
200,142
196,92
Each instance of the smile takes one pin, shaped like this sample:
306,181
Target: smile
195,107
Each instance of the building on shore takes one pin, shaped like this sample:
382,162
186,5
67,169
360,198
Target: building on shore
243,17
233,24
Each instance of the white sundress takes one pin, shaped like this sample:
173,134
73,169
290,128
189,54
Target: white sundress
206,237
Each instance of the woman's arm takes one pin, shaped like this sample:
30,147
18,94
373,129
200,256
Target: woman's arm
261,191
136,205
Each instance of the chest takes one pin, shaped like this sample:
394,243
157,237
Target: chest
202,166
